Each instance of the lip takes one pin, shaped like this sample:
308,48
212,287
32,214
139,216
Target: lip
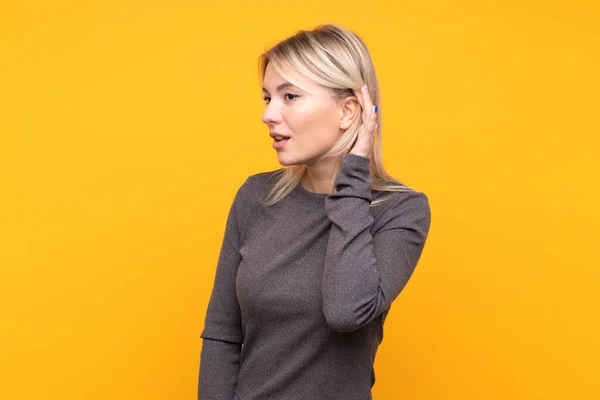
274,134
279,145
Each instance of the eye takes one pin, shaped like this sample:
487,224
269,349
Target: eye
288,96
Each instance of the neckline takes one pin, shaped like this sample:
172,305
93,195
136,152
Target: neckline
300,188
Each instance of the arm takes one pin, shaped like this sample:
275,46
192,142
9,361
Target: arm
219,367
363,273
222,334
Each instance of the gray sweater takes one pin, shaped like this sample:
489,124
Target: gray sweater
303,287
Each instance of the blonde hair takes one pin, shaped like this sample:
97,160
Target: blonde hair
336,58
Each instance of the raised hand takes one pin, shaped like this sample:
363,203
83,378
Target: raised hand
362,146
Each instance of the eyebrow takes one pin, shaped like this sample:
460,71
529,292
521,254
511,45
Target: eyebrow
280,87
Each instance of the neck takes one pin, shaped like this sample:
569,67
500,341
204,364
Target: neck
319,177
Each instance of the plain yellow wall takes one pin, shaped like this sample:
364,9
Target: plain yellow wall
127,126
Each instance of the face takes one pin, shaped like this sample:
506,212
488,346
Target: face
311,119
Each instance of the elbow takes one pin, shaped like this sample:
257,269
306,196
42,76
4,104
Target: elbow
342,320
351,314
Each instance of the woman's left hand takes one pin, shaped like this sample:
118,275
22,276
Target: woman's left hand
362,146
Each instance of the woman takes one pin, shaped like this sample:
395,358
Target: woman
314,253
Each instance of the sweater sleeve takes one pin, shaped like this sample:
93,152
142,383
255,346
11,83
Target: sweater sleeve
222,334
365,272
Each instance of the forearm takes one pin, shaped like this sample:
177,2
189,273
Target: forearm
219,367
364,272
350,278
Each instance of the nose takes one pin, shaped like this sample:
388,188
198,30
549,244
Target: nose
271,115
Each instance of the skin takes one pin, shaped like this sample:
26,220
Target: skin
314,120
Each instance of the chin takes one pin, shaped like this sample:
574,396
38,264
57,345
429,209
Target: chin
286,162
289,161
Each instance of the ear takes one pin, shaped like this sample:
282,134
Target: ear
349,111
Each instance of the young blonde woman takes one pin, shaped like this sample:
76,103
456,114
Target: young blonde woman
314,253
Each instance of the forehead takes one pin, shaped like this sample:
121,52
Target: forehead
275,80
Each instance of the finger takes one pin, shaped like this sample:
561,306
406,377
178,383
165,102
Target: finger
365,114
367,102
359,97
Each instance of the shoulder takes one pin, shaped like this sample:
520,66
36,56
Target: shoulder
407,208
256,187
266,178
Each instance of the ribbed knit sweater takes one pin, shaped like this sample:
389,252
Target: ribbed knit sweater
303,287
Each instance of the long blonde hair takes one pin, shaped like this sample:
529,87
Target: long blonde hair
338,59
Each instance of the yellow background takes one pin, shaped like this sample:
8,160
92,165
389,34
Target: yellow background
126,128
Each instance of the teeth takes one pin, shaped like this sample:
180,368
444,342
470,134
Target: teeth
279,137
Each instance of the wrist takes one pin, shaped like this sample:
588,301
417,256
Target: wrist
362,153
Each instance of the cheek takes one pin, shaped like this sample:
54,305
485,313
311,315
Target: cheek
325,123
299,118
317,121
